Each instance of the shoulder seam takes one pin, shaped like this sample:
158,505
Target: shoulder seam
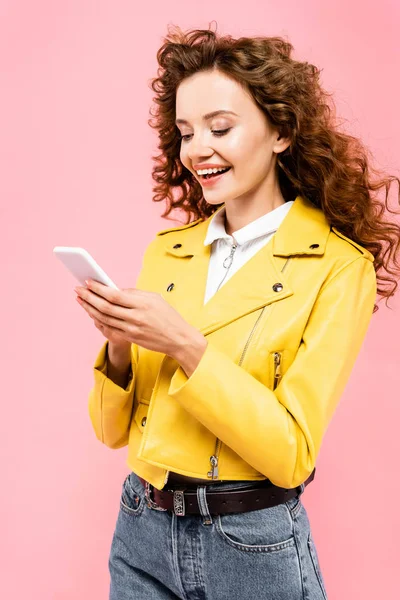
363,251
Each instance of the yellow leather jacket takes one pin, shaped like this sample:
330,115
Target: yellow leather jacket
283,336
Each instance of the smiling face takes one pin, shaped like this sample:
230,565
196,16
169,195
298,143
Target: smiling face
245,141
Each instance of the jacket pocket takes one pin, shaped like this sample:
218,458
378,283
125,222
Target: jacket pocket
276,369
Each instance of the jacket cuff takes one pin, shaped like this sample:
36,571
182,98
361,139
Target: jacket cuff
184,388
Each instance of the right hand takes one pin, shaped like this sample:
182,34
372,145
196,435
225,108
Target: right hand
117,342
116,338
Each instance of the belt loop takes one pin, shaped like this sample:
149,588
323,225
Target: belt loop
203,506
301,486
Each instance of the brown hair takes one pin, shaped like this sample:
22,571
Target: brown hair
331,169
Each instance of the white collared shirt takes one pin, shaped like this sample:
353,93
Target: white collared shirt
248,240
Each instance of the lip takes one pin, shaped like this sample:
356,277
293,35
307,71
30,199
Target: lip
213,180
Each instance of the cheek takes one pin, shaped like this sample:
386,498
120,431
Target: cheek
242,149
183,157
251,154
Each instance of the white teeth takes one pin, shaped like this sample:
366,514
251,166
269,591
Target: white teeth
209,171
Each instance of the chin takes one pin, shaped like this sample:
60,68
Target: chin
213,200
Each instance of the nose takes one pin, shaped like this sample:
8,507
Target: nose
197,150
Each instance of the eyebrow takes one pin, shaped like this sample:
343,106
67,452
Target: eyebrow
208,116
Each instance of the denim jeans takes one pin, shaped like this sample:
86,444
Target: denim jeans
267,553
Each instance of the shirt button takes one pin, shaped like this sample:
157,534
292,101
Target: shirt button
277,287
178,246
144,421
313,246
170,287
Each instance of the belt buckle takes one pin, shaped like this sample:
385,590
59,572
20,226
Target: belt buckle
179,503
149,501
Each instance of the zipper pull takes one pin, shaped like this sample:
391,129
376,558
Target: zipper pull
277,374
230,257
214,467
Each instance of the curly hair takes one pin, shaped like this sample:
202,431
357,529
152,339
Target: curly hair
328,167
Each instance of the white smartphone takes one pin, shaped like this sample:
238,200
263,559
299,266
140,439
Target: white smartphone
82,265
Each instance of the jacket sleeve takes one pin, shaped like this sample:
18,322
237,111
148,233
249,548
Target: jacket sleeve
111,406
280,432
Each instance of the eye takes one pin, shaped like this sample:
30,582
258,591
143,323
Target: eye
220,132
217,132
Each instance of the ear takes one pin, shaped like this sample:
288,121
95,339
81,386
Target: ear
281,144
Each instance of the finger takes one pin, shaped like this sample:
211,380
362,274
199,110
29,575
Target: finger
101,304
117,297
99,325
104,319
108,332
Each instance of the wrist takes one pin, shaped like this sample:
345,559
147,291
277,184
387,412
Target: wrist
119,349
119,365
190,351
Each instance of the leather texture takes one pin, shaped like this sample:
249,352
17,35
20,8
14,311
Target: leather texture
283,335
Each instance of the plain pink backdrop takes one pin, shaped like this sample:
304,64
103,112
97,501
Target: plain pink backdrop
75,156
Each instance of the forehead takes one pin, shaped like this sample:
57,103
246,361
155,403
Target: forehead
208,91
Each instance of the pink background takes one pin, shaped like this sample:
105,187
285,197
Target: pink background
75,156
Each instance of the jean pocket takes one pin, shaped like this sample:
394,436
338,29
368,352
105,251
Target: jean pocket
132,499
314,559
294,505
264,530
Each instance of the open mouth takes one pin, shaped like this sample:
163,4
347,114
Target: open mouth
210,176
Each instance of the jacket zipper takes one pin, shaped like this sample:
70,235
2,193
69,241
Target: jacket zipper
227,263
277,368
213,473
214,458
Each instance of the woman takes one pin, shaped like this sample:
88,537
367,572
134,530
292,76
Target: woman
222,369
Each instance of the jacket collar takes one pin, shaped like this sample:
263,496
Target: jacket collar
264,225
304,231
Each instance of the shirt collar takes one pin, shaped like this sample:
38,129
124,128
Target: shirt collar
264,225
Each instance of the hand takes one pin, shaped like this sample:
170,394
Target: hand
136,316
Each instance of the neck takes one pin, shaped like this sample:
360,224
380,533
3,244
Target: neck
236,219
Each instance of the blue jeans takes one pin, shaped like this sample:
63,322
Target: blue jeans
267,553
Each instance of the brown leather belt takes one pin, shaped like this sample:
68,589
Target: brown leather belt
183,501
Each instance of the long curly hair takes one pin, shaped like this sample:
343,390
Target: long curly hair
330,168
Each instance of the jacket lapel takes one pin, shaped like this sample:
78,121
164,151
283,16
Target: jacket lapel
304,231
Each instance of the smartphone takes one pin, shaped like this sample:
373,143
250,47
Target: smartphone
82,265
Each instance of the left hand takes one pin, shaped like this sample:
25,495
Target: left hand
141,317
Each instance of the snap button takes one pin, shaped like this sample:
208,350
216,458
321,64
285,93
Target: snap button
277,287
170,287
178,246
314,246
144,421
